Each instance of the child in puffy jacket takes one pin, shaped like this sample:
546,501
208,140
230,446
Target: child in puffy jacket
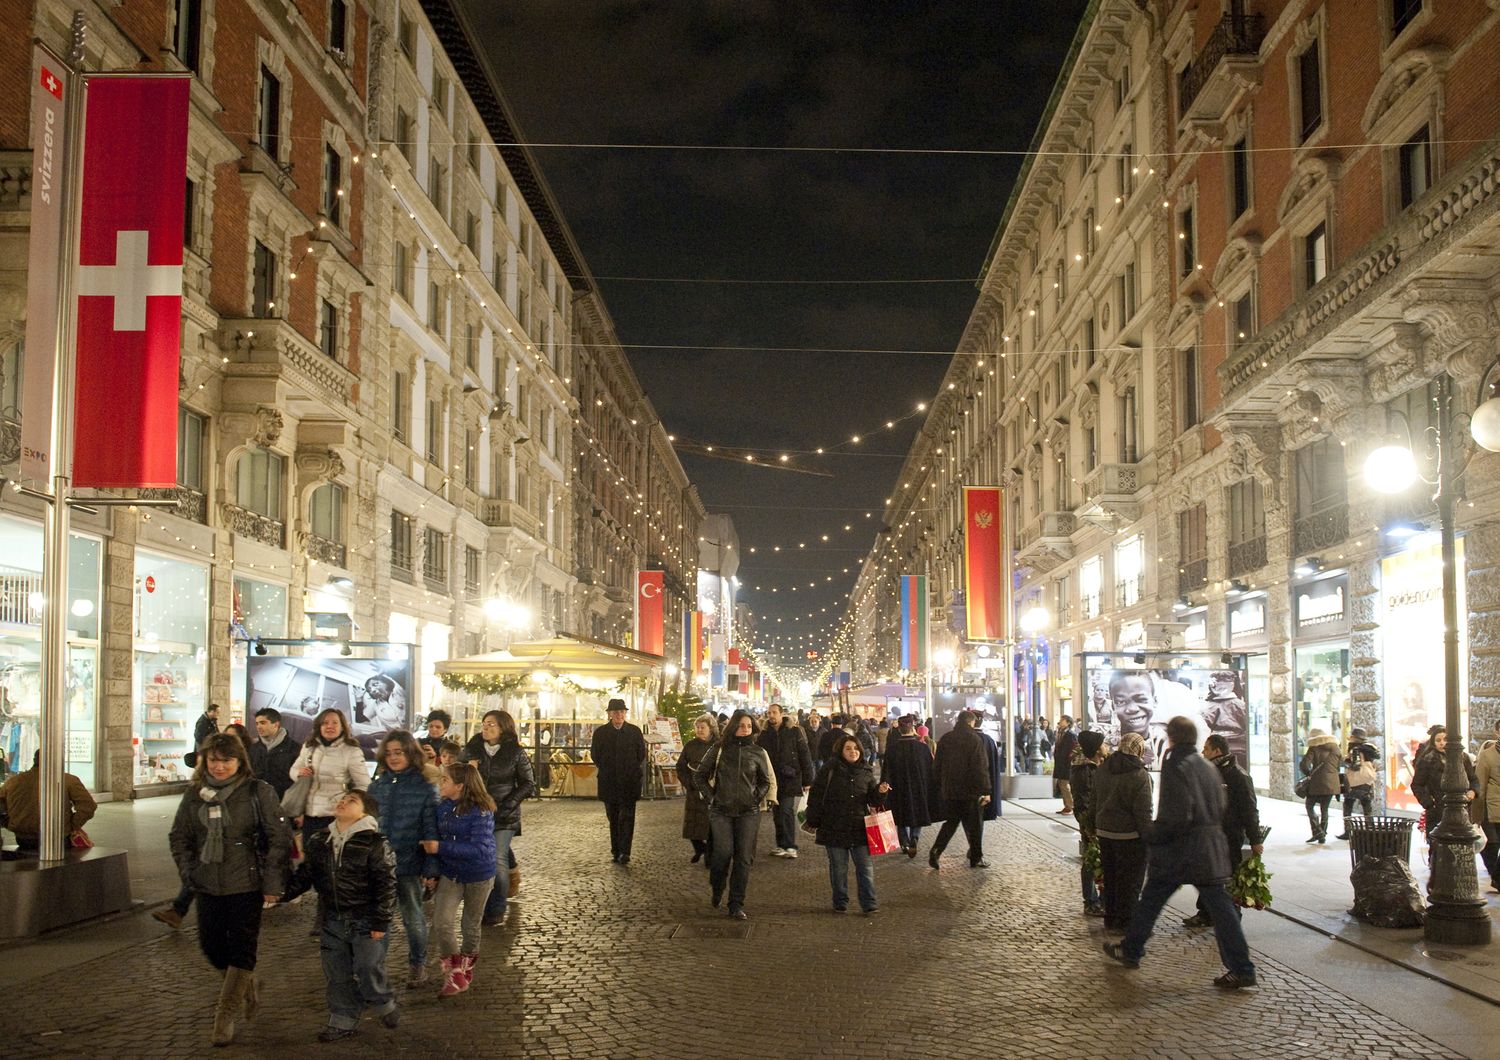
465,850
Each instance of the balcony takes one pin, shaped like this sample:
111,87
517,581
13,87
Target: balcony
1246,557
1225,68
1046,541
255,526
1320,530
401,568
1111,495
325,550
1090,602
271,363
1192,575
191,504
508,515
1130,591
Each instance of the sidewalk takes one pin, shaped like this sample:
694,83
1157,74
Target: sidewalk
1310,887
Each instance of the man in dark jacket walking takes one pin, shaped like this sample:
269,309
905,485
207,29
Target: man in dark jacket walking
963,776
273,754
1187,846
1062,762
1241,814
619,752
787,747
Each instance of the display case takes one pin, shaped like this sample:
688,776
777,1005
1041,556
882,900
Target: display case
169,686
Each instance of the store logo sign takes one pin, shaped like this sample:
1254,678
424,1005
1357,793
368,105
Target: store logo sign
1321,609
150,584
1247,619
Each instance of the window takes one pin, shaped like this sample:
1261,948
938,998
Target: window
1403,13
333,185
258,482
1124,175
471,459
435,306
1241,320
1128,428
263,282
189,207
401,260
1088,236
338,25
473,149
1187,241
406,135
471,347
1063,492
1414,159
471,233
187,34
400,406
328,329
1130,572
325,512
1239,178
1192,548
435,558
1090,345
1191,410
1247,516
440,92
1309,91
1090,448
1060,285
523,305
1132,294
1315,256
406,35
473,570
1321,480
269,130
401,544
437,184
191,431
435,431
1122,88
1090,579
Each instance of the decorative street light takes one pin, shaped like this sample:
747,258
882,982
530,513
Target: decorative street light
1033,620
1456,912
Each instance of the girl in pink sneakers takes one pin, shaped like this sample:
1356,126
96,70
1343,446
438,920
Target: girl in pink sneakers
465,850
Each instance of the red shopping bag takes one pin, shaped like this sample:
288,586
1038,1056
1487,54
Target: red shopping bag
880,832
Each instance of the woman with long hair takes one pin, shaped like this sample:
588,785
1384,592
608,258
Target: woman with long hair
695,827
841,797
230,842
465,849
737,777
403,791
333,759
506,771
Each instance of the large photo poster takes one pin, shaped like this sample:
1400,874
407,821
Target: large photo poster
374,695
1144,699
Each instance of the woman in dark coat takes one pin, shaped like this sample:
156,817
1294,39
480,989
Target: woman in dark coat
841,795
738,774
1427,781
506,771
695,808
1119,814
1320,765
908,770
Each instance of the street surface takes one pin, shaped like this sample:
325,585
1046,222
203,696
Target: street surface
605,961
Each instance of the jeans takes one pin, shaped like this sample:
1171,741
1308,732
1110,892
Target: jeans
1319,803
1124,865
907,835
450,895
733,839
229,928
621,827
1090,891
354,968
785,816
1364,795
494,907
409,891
1234,952
966,812
864,875
1236,855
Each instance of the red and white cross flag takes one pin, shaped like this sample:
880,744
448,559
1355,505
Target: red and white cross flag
129,281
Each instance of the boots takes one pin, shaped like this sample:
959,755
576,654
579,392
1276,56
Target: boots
232,995
251,991
466,963
453,979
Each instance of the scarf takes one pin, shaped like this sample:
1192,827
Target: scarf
272,743
491,749
215,793
339,837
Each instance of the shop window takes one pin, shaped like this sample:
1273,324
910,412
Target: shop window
1190,406
328,329
325,511
268,129
333,185
435,559
1414,163
1323,699
1309,90
401,545
473,570
1239,178
187,33
169,667
192,430
258,478
263,282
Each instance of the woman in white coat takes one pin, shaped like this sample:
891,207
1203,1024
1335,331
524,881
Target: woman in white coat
334,761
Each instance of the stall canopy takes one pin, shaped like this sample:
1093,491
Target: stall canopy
563,655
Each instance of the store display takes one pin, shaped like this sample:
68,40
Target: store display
171,696
1143,700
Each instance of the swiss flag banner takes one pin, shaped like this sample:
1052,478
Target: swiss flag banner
983,565
649,632
129,281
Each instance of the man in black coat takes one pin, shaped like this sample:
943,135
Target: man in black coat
1062,762
1241,814
1187,846
619,752
963,776
909,770
786,745
274,752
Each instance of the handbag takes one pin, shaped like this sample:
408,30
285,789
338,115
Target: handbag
1302,787
294,802
880,832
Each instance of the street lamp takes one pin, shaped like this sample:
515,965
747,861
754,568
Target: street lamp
1456,912
1033,620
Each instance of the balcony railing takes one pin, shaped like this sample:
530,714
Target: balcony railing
325,550
1192,575
1130,591
1090,604
401,568
1234,35
1320,530
1246,557
191,504
255,526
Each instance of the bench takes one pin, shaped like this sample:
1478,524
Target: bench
37,896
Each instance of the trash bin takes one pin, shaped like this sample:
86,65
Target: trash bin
1379,837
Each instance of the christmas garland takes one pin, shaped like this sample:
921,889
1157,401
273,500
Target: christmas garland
1251,885
1092,863
483,684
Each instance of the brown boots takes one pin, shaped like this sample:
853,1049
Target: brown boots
239,997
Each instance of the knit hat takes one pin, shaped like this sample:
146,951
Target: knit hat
1090,742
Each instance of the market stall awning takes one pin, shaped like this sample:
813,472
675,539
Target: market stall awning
563,655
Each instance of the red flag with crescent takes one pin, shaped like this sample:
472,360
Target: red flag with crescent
650,635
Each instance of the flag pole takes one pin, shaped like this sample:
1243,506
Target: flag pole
927,637
1012,741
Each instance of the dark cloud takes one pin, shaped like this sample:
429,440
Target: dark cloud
948,74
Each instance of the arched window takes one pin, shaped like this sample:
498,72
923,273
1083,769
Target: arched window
325,512
258,482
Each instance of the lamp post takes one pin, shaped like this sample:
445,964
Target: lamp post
1456,912
1033,621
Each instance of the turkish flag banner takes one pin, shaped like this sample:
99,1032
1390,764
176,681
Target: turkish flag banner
129,281
983,571
650,633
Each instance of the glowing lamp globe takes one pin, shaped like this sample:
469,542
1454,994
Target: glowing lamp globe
1484,425
1390,469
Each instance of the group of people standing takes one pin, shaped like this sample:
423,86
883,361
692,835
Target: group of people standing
373,850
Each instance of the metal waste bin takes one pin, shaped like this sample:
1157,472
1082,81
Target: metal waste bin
1379,837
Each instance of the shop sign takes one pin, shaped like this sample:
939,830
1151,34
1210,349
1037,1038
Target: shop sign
150,584
1322,603
1196,634
1247,620
1132,635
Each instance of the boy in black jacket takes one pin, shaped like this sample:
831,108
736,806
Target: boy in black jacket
353,868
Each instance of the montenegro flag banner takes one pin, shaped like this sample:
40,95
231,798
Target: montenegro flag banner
984,600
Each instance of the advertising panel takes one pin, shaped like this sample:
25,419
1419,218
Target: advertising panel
374,695
1142,699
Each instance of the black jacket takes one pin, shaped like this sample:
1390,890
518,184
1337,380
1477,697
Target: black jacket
1062,755
787,747
1081,775
908,770
203,728
826,735
1119,805
1241,811
963,767
274,765
1427,780
359,886
620,755
840,798
1187,840
507,776
737,777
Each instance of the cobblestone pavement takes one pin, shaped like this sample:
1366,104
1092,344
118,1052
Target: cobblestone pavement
601,961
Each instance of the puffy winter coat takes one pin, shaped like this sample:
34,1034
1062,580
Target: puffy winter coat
408,815
336,767
1121,804
840,798
508,777
466,843
359,884
256,841
739,777
1187,840
1320,765
1427,781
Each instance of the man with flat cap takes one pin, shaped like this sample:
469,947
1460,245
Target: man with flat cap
619,752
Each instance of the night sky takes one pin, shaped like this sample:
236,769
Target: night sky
910,79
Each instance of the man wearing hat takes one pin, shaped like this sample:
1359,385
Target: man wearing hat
619,752
1362,770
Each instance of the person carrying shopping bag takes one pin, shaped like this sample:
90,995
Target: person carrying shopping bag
841,795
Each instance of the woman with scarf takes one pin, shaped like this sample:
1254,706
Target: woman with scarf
230,843
737,779
405,794
695,808
332,758
506,771
841,796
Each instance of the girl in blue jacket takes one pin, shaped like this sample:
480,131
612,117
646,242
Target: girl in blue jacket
408,815
465,850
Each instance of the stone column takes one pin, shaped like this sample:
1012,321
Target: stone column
117,651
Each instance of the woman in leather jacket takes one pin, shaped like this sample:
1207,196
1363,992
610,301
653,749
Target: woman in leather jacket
841,796
739,781
506,771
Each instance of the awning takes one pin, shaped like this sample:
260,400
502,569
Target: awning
564,655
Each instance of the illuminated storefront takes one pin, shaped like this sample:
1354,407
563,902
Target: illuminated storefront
169,677
1320,617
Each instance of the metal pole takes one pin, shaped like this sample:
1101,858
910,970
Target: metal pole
927,636
54,663
1007,596
1456,913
